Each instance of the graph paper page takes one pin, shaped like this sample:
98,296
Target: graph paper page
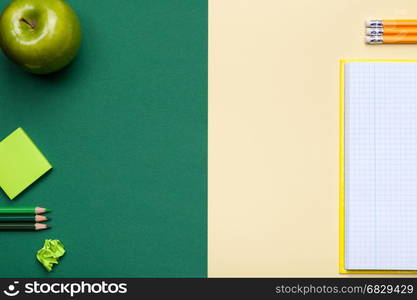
380,166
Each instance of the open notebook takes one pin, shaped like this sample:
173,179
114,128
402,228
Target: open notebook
378,167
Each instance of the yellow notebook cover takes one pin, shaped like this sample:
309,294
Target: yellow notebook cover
342,269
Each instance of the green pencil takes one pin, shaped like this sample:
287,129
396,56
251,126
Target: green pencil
23,226
22,210
22,218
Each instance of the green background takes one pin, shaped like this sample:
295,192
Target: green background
125,127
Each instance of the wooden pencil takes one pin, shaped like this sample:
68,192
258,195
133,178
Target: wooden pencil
23,226
22,210
391,39
391,23
392,31
22,218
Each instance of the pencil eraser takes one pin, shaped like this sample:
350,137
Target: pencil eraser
374,39
374,31
368,39
374,23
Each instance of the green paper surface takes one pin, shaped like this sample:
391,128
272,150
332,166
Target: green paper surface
125,126
49,254
21,163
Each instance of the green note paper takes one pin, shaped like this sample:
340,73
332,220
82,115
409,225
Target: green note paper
49,254
21,163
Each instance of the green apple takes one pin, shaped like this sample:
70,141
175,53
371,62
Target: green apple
42,36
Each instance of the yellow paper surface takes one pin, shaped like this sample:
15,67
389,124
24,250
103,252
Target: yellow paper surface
342,269
21,163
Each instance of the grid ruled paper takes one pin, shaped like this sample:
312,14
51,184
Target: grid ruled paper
381,166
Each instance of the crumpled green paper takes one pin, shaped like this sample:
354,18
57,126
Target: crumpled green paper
49,254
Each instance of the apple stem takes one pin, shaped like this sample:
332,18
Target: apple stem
32,25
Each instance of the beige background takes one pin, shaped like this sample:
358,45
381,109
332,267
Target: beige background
273,129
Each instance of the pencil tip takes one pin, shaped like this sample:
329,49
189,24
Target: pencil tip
41,218
41,210
41,226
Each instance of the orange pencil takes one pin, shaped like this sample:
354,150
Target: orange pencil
391,39
390,23
392,31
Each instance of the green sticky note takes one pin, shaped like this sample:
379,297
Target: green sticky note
21,163
50,252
